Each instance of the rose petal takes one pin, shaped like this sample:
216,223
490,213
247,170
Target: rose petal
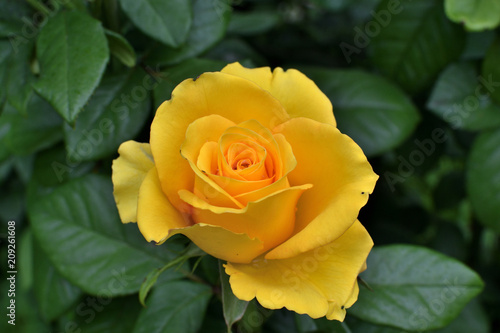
253,129
338,313
342,179
321,282
237,188
229,192
208,190
205,129
158,220
222,243
259,219
156,216
298,94
239,147
129,170
198,134
207,159
226,95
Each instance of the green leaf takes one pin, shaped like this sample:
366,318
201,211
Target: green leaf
54,294
477,44
116,113
24,167
103,315
278,321
12,14
459,99
39,129
6,165
233,308
234,49
24,262
252,23
477,15
483,178
121,48
174,306
333,5
152,277
416,44
165,21
19,78
12,206
491,71
27,315
359,326
53,167
332,326
472,319
78,228
376,114
414,288
73,52
306,324
209,25
172,76
5,52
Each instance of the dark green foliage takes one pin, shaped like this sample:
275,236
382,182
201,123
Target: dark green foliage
415,83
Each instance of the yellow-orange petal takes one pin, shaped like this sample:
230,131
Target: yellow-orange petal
338,313
342,178
221,243
199,132
156,216
263,191
129,170
211,192
158,220
279,149
222,94
300,96
263,135
286,164
319,282
236,187
234,148
286,152
198,140
207,159
259,219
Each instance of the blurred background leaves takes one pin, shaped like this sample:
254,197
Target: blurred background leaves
415,83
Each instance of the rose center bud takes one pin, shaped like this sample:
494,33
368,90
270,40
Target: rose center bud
242,163
244,155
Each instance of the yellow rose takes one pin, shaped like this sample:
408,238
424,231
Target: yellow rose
249,165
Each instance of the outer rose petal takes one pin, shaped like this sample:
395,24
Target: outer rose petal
158,220
321,282
227,95
222,243
129,170
156,216
299,95
342,179
260,219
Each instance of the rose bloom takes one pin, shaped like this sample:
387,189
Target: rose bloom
249,165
